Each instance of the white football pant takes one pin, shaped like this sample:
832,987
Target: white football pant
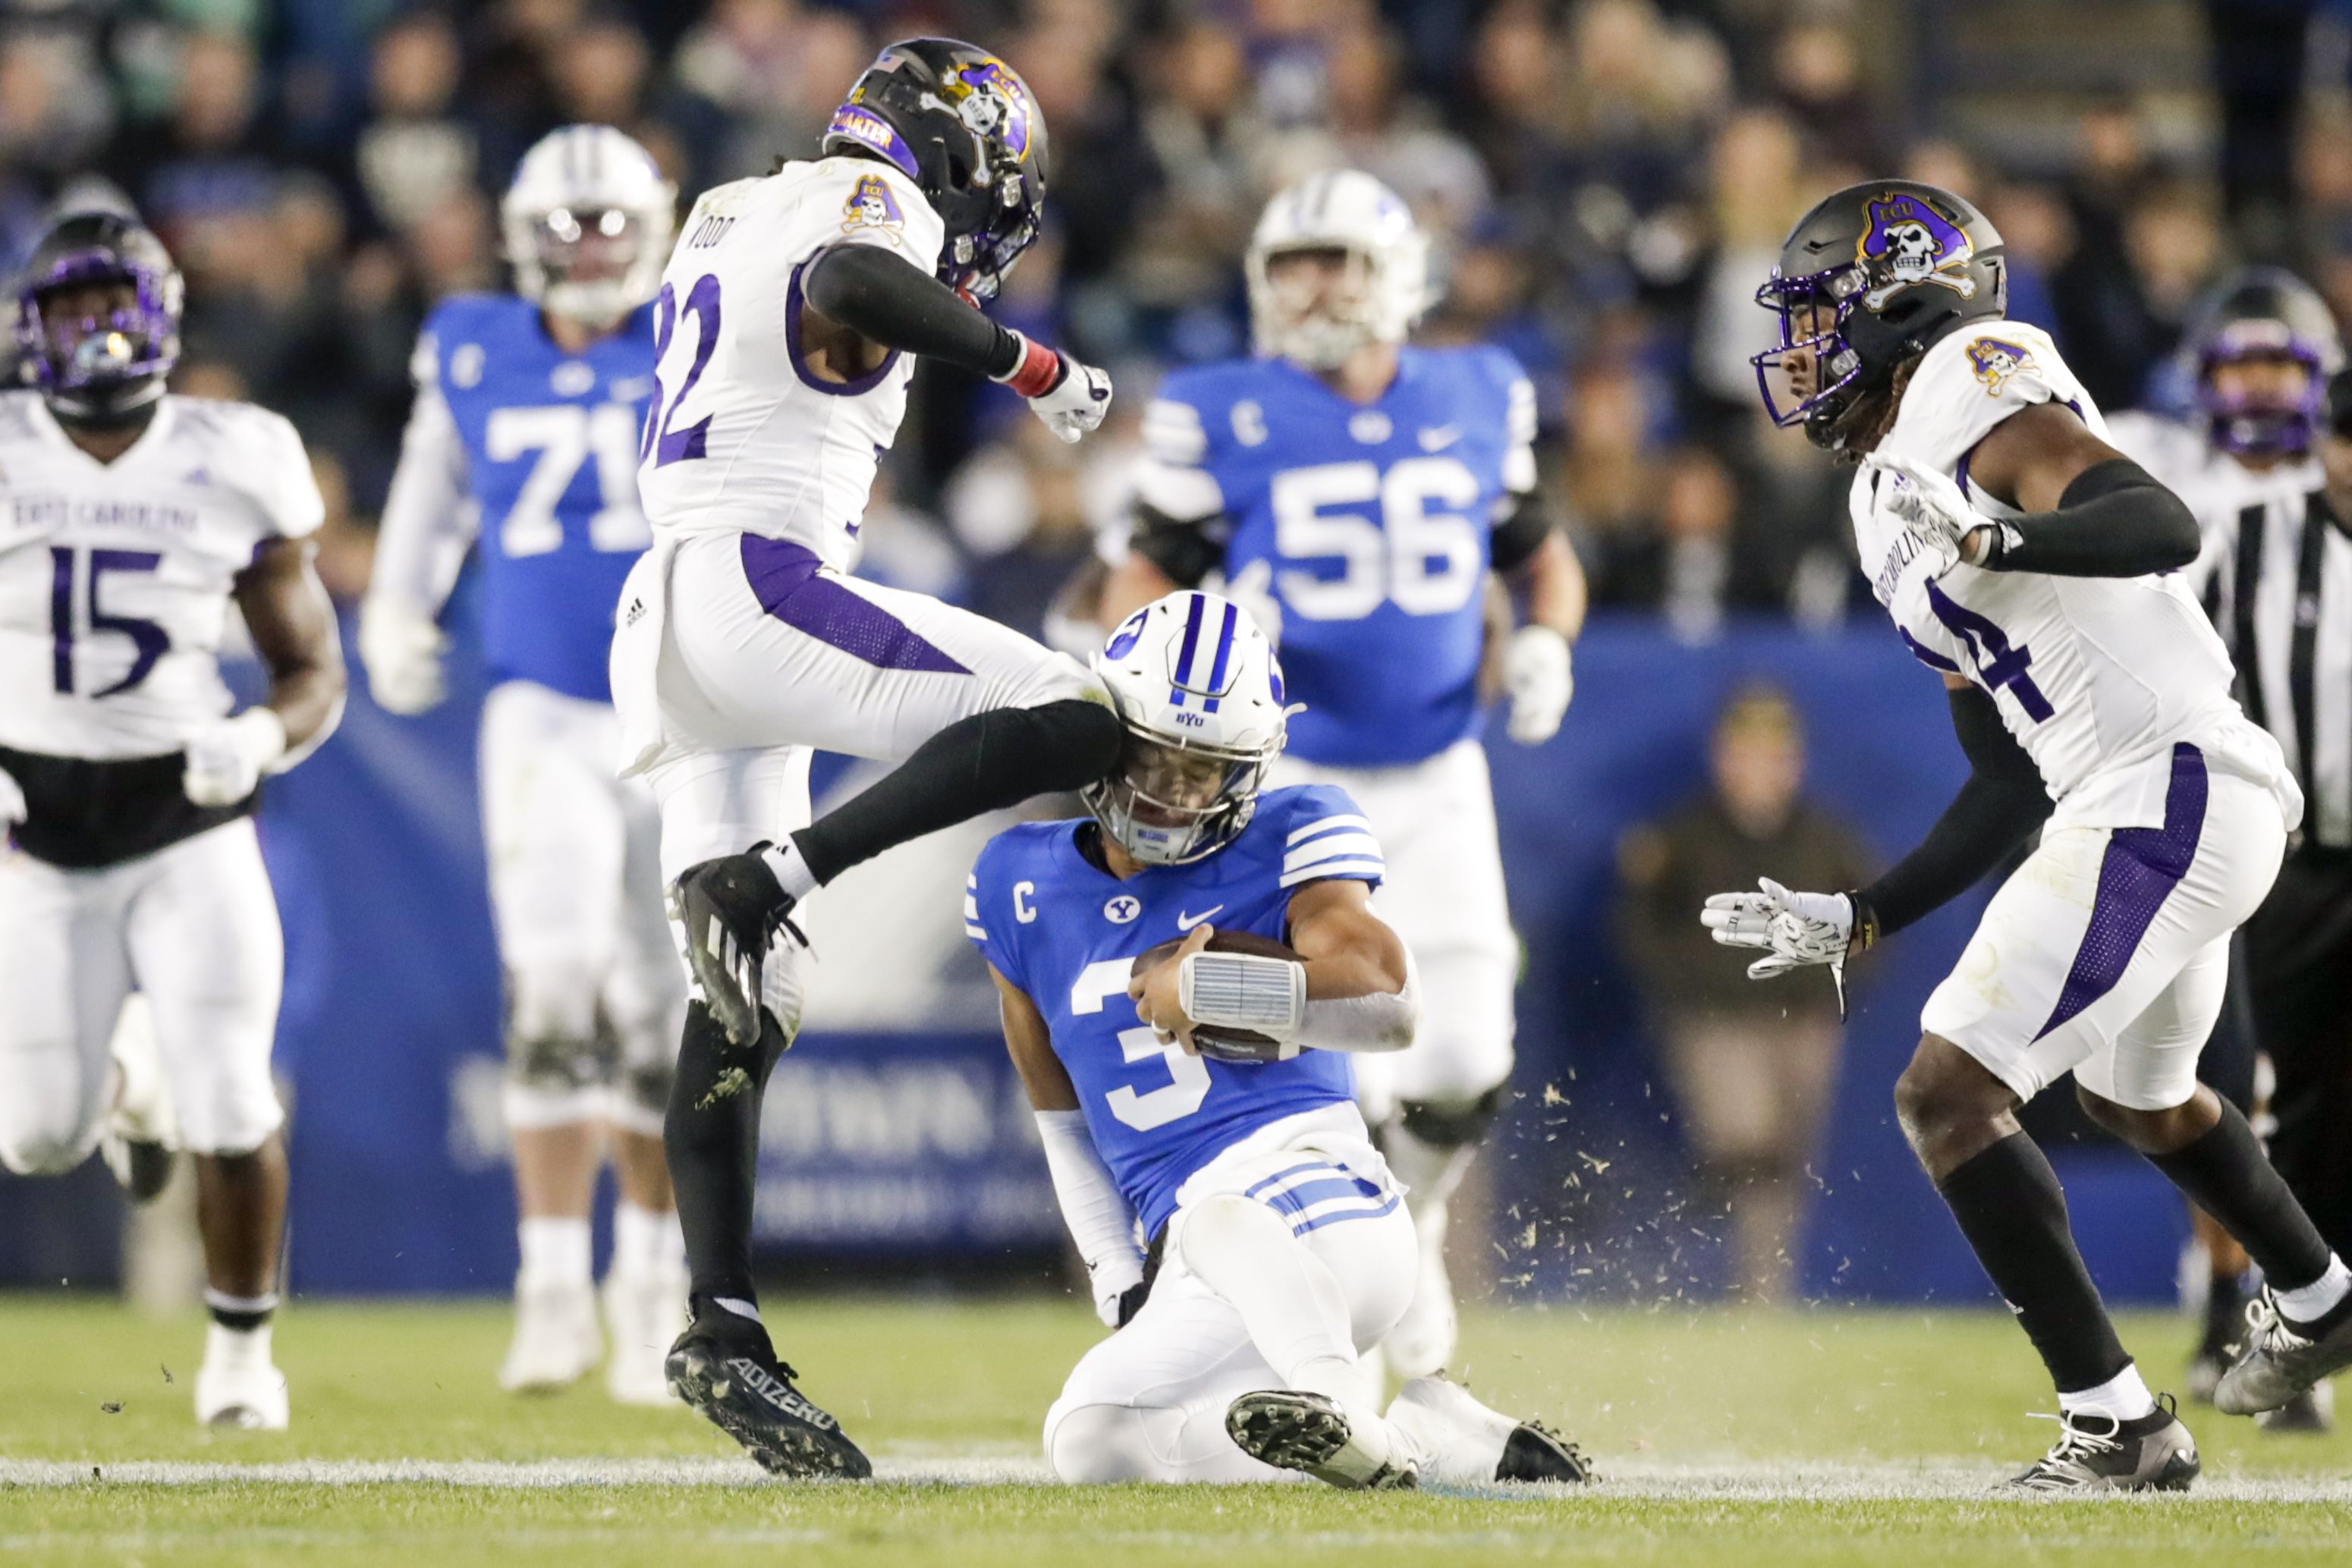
576,890
2106,953
194,926
746,695
1281,1265
1443,895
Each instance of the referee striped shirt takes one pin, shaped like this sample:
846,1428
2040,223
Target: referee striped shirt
2277,580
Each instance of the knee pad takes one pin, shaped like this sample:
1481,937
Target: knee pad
1100,1444
553,1001
1452,1124
560,1046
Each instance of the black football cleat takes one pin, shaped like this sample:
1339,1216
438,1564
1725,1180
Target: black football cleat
732,908
2095,1452
2282,1358
1537,1453
1292,1431
725,1368
141,1167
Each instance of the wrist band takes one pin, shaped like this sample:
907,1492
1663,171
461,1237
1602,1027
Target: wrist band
1037,371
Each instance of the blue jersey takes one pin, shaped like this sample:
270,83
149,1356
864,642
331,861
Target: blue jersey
1067,933
551,443
1375,522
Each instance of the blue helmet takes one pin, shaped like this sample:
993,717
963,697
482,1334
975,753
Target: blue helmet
2262,313
91,368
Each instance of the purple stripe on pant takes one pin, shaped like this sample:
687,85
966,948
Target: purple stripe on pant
2141,868
786,580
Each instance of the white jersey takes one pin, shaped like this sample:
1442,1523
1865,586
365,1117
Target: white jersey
115,578
2097,678
742,437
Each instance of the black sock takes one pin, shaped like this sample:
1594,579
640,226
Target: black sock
2224,1172
2225,1310
2013,1213
984,763
711,1136
242,1315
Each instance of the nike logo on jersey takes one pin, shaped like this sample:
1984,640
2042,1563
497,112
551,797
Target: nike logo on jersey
1440,438
1186,922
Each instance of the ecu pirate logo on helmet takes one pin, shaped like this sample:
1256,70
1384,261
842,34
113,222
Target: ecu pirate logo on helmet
1910,242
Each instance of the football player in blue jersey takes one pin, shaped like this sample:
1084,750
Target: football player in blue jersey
523,446
1358,493
1206,1102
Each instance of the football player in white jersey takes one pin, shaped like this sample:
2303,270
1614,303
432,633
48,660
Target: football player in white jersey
2036,568
135,521
523,445
787,326
1362,493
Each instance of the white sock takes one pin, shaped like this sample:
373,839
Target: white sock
791,869
2123,1396
738,1306
2308,1303
646,1241
225,1346
555,1249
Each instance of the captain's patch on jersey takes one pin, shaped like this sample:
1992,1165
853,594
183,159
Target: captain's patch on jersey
872,206
1996,362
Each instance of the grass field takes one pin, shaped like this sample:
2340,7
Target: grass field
1745,1438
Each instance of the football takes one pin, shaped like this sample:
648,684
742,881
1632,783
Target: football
1236,1045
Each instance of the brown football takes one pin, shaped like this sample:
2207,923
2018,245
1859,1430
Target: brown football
1237,1045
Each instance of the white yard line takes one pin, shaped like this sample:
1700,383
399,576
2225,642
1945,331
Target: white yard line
1725,1483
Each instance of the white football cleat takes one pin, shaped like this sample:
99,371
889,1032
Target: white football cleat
556,1340
238,1386
645,1312
1464,1443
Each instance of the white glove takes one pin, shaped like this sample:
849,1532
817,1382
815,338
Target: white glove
12,808
1799,928
1112,1279
1541,680
226,761
1930,505
1071,398
403,652
1253,590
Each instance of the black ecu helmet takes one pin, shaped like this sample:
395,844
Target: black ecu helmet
1868,280
962,125
2262,313
93,369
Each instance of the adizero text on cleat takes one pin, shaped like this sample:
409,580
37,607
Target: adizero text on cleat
735,1381
1297,1431
730,909
2282,1357
2096,1452
1537,1453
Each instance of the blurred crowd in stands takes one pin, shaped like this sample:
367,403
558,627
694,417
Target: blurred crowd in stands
1608,180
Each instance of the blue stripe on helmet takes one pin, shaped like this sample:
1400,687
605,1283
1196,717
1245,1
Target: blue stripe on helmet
1192,645
1224,656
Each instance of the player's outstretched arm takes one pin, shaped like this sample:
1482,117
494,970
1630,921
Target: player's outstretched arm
1100,1221
886,299
292,624
2002,801
2089,510
420,545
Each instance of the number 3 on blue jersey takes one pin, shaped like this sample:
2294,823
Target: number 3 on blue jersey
1424,552
1187,1075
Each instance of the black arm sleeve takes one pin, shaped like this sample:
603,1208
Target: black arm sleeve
2114,520
1184,551
889,300
1520,534
2002,801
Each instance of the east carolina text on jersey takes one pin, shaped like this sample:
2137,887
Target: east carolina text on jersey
1375,520
115,578
1067,933
550,452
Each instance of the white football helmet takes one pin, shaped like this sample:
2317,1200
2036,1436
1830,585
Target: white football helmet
588,221
1201,694
1339,209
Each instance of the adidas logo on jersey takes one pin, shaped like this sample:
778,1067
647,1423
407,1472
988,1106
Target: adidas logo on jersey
780,1394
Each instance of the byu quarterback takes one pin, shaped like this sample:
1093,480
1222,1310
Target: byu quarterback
1206,1101
788,321
1354,492
2037,568
133,521
522,446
